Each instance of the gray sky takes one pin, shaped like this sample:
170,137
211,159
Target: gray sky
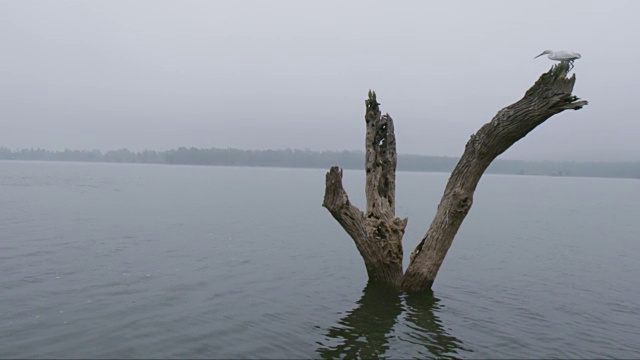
294,74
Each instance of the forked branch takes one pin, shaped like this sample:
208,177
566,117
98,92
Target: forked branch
378,232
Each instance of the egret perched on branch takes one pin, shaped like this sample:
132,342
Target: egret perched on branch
562,55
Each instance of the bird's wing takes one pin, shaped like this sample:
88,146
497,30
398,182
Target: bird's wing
566,55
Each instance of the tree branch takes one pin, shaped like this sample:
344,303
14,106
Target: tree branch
380,161
338,204
550,95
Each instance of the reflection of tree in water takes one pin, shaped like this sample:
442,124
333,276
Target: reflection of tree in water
428,331
366,330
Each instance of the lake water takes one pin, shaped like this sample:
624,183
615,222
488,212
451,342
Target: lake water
131,261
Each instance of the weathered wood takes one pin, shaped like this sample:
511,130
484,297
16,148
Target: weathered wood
550,95
377,233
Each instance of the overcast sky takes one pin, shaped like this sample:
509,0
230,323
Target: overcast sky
294,74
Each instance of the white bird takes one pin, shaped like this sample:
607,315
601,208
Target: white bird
561,55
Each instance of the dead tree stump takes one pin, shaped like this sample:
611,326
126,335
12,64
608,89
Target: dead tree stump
378,233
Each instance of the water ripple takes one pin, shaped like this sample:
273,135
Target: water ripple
121,261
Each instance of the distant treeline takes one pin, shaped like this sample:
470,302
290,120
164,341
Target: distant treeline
320,159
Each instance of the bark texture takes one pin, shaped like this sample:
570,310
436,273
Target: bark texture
378,233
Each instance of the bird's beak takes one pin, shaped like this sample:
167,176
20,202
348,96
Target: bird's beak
538,56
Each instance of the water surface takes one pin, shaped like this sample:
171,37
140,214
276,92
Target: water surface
130,261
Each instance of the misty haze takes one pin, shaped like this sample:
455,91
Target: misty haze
163,165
